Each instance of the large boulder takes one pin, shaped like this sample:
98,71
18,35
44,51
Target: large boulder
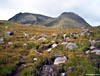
60,60
71,46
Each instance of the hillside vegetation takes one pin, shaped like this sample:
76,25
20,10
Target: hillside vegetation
32,50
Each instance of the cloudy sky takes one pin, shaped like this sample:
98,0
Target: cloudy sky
88,9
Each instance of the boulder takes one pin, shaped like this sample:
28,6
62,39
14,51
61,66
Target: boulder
64,43
9,33
10,43
49,49
60,60
33,38
25,34
71,46
42,47
49,70
2,39
54,35
96,51
92,47
42,38
64,36
67,38
35,59
85,32
87,52
54,45
63,74
92,42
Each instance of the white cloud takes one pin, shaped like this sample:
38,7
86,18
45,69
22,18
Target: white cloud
88,9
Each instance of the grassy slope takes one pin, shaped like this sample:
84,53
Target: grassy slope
10,55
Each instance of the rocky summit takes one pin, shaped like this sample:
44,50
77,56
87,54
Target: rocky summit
66,19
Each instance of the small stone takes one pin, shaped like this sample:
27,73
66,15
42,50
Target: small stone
64,43
92,47
54,45
63,74
35,59
42,38
33,38
96,51
2,39
87,52
10,43
49,49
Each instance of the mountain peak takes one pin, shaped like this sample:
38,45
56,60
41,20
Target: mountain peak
66,19
67,13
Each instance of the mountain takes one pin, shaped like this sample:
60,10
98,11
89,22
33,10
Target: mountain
30,19
69,19
66,19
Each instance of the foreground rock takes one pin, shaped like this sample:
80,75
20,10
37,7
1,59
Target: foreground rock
60,60
49,70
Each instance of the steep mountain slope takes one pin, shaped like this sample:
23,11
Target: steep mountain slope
69,19
66,19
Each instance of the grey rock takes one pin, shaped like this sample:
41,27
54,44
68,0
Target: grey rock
71,46
49,70
60,60
2,39
96,51
9,33
92,42
85,32
42,38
